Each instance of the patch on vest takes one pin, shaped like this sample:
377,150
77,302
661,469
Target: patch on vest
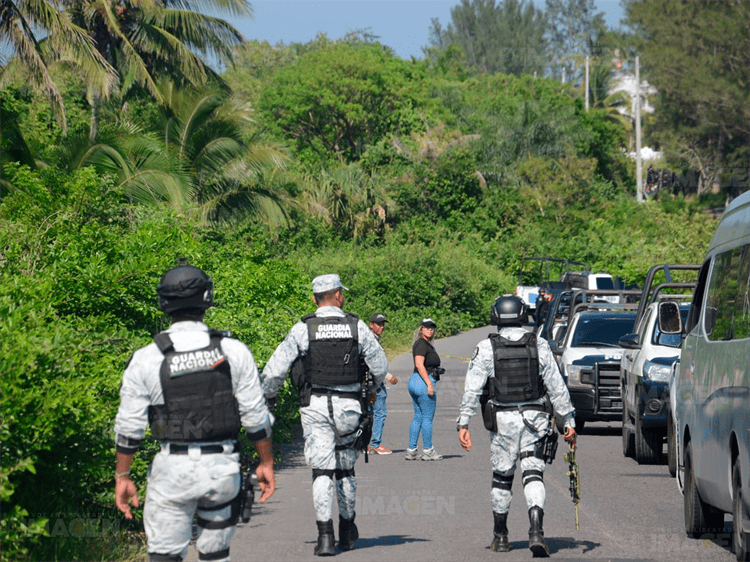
333,331
184,363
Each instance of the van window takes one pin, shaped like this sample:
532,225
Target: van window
604,284
696,304
725,296
742,311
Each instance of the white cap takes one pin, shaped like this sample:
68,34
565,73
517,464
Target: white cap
325,283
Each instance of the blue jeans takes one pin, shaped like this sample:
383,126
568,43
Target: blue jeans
379,412
424,411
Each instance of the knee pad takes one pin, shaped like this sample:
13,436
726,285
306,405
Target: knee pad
218,555
234,516
318,472
531,475
503,482
342,473
156,557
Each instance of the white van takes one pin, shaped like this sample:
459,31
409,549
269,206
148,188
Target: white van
711,388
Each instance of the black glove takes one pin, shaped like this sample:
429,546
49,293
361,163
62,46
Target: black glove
272,402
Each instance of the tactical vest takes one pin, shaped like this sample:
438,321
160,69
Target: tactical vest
333,355
517,377
199,404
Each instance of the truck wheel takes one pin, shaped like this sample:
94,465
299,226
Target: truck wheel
648,443
671,447
628,448
740,540
700,518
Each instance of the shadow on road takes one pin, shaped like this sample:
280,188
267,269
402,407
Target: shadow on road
387,540
556,544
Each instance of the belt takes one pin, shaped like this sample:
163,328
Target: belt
341,393
179,449
523,408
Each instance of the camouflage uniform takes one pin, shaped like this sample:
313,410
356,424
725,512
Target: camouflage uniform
180,484
514,437
321,432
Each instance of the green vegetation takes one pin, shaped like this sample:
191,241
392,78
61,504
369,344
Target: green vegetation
422,183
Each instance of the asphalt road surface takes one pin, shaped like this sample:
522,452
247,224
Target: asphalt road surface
440,510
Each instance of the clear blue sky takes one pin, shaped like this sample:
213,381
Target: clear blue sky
403,25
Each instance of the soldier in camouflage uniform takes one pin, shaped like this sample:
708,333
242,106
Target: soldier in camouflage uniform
197,470
325,343
522,374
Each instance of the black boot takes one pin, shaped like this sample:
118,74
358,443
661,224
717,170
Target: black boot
536,533
326,540
348,533
500,541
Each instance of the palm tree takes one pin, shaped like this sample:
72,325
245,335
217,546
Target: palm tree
40,34
151,39
347,197
200,162
233,177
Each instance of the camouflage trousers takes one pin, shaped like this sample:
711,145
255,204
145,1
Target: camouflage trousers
181,485
323,433
512,440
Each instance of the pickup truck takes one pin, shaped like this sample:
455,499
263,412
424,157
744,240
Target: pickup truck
645,370
536,270
647,360
589,358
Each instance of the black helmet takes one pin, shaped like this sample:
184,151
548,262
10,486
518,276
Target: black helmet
508,310
185,288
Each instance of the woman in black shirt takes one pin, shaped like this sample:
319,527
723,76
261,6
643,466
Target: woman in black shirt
423,393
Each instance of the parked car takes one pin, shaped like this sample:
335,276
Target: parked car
711,387
644,374
589,358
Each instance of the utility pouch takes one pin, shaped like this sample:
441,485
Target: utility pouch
363,432
300,380
304,392
489,416
489,410
549,444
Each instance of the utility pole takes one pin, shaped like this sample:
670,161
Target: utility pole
637,111
587,84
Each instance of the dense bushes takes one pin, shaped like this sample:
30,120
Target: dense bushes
77,297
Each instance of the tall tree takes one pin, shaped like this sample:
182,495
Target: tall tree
505,37
335,101
697,55
572,33
40,34
151,39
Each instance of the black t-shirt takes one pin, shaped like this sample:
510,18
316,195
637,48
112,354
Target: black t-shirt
424,348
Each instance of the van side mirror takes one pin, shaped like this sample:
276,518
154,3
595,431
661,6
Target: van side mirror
630,341
669,318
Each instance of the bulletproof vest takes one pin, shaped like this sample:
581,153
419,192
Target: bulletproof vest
517,377
333,356
199,404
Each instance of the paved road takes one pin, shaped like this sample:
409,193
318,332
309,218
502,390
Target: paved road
435,511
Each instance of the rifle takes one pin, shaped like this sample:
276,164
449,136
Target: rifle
575,479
